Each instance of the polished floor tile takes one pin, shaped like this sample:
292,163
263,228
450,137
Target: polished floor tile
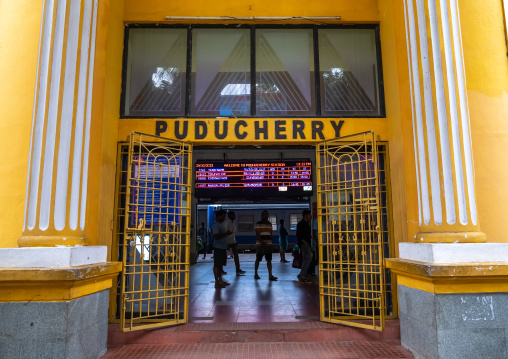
249,300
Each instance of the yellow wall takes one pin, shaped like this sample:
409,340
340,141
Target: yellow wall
20,23
156,10
397,128
486,76
106,109
400,127
486,60
393,128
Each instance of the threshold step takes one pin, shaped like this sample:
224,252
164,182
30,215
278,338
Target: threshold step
311,331
387,349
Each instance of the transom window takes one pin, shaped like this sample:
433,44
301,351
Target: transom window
252,72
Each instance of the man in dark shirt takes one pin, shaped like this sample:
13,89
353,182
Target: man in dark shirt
304,237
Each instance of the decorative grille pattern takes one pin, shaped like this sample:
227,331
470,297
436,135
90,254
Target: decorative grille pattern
154,245
351,246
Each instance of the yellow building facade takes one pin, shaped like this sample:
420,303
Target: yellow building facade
443,71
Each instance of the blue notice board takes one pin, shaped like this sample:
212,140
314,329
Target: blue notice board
156,190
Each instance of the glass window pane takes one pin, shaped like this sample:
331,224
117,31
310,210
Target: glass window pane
294,218
348,72
220,72
284,72
272,218
245,223
155,82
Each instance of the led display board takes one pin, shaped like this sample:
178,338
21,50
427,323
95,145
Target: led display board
253,178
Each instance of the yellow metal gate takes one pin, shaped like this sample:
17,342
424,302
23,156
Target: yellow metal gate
351,269
155,245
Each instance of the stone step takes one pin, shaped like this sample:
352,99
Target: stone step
308,331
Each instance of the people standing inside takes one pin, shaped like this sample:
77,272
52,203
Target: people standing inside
304,238
264,245
203,237
283,241
209,236
220,233
232,245
314,247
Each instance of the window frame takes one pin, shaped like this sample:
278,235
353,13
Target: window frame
253,115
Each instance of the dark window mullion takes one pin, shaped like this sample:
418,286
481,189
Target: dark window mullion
188,75
317,73
125,60
253,71
380,83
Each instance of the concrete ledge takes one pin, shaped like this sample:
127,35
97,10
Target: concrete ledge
484,269
450,278
251,332
52,257
454,252
60,284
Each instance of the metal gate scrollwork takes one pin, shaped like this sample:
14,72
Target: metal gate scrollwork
155,245
351,269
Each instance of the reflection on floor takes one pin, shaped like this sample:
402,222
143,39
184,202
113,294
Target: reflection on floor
248,300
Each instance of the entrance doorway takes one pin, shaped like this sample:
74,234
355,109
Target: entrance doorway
261,297
248,299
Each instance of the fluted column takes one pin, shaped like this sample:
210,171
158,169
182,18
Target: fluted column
55,204
444,157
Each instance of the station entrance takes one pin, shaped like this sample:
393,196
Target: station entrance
156,222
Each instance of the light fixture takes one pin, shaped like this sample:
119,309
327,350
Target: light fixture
255,18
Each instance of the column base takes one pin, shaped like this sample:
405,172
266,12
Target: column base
54,302
453,299
71,329
46,257
453,326
454,252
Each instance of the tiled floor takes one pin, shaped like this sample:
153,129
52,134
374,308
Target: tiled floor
249,300
306,350
257,319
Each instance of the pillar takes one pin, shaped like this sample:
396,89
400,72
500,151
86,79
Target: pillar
451,283
443,151
55,208
54,289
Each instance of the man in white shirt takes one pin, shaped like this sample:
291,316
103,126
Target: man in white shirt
230,227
